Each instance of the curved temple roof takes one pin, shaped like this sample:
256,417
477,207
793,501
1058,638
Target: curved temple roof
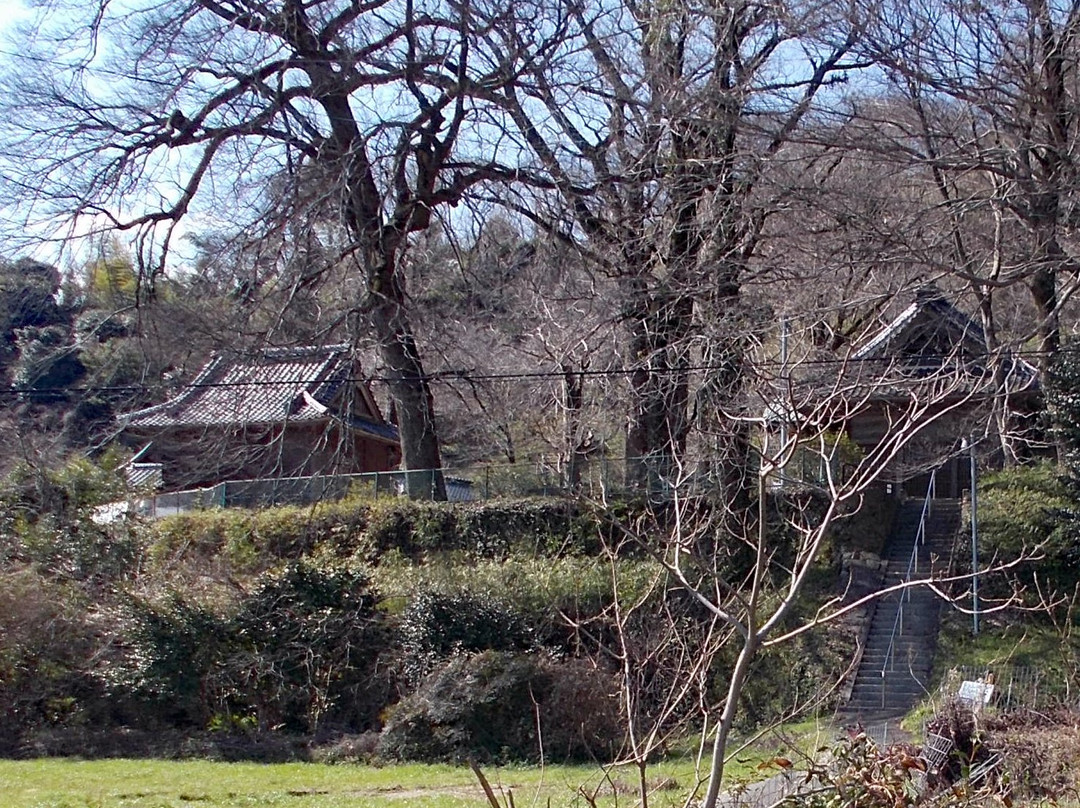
279,385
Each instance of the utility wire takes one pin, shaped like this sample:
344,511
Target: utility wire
469,376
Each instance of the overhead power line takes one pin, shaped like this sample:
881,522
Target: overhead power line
472,376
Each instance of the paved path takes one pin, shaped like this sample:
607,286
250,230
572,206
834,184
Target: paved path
766,792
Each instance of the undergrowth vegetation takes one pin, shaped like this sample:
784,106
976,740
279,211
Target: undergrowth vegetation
508,630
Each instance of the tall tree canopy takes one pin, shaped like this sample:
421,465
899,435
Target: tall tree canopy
357,120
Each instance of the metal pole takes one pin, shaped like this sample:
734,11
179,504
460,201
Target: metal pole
974,544
783,392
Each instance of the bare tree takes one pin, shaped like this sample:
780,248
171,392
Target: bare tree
804,416
508,300
658,126
986,97
364,113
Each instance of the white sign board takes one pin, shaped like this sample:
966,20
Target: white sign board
976,693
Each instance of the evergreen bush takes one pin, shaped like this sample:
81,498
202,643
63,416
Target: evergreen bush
299,653
45,645
437,626
304,652
1031,509
501,707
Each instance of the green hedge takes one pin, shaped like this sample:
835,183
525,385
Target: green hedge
548,527
255,540
546,595
303,649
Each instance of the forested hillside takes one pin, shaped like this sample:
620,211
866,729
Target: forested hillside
576,231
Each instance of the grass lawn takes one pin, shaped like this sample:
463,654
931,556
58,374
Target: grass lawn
72,783
66,783
112,783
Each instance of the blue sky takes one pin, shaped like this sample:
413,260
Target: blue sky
11,11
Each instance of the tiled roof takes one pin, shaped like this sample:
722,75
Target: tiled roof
929,311
961,343
881,340
144,475
279,385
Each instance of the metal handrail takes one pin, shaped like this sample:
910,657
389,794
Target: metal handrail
912,571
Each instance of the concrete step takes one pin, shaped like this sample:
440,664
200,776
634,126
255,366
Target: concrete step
898,661
914,634
899,679
909,654
896,668
892,697
912,623
900,653
911,688
913,693
871,700
899,706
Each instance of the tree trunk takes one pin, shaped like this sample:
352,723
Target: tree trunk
1000,400
381,245
658,424
718,402
409,388
575,443
1043,287
727,718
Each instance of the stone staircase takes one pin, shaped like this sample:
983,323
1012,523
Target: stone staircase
889,681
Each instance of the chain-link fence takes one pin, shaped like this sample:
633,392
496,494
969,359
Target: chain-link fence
656,477
598,478
1010,687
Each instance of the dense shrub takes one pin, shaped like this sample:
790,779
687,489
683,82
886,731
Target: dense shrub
545,527
1039,750
299,653
305,650
489,530
1030,508
80,551
435,627
45,519
253,541
1062,416
161,669
45,645
547,596
496,707
65,494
